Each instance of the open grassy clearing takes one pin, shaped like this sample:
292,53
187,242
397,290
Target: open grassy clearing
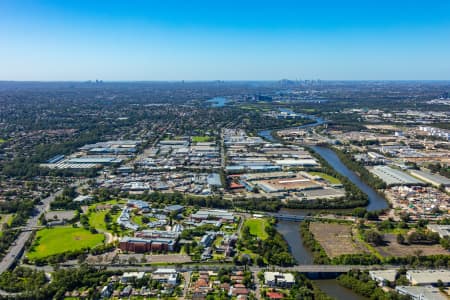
62,239
337,239
393,248
2,141
257,227
137,219
112,202
327,177
202,139
97,220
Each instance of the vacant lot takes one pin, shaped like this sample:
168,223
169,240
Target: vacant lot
60,215
392,248
257,227
327,177
336,239
62,239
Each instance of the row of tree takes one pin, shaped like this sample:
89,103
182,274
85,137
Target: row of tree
362,284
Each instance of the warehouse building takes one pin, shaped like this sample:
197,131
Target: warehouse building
434,179
393,176
421,292
428,277
442,230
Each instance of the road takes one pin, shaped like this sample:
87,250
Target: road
18,247
216,267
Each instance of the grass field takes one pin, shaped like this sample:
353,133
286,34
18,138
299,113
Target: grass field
62,239
257,227
336,239
2,141
201,138
327,177
97,220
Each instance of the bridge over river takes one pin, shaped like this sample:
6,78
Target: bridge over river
288,217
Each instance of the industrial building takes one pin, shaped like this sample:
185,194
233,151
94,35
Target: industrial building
218,214
442,230
421,292
287,185
434,179
308,162
383,276
393,176
428,277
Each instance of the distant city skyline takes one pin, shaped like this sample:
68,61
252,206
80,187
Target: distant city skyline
45,40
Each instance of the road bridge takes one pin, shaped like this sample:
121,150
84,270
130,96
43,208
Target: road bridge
288,217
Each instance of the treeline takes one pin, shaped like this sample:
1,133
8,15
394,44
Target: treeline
22,209
274,249
33,284
429,261
248,204
80,254
306,289
22,279
26,166
362,259
65,200
6,239
362,284
363,173
319,254
338,203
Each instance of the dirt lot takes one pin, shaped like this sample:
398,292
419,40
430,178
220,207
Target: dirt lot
337,239
60,215
392,248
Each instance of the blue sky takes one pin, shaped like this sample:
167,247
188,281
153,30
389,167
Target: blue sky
227,40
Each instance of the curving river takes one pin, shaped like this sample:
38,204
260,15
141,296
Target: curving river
290,230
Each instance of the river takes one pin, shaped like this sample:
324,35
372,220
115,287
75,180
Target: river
290,230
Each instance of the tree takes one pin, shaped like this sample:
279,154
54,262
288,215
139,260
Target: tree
373,237
400,239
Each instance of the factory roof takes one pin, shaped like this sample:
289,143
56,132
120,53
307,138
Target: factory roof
424,277
393,176
421,292
431,178
297,162
93,160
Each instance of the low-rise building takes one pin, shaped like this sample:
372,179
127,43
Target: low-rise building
421,292
277,279
442,230
383,276
428,277
127,276
142,245
166,275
